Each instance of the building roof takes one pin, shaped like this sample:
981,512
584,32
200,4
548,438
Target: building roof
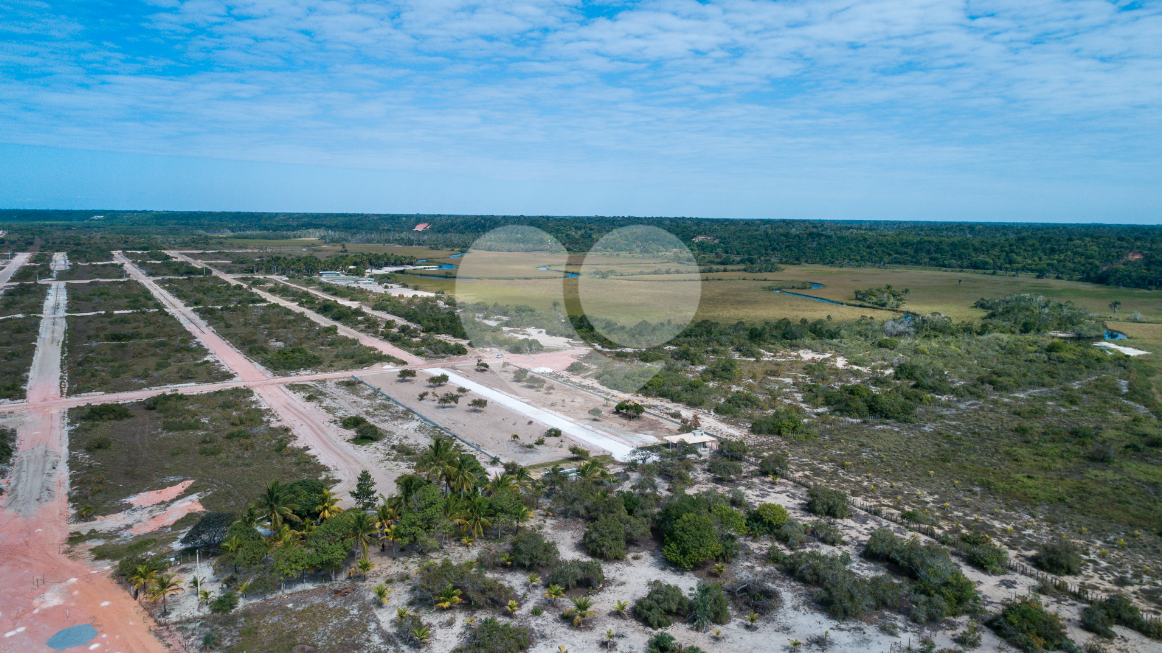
423,226
694,437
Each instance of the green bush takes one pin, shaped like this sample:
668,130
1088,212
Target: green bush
476,588
575,573
1025,624
665,643
708,606
660,604
368,433
224,603
1117,609
774,465
733,449
98,443
755,595
724,470
605,539
766,519
887,343
844,594
728,518
691,541
985,555
1058,557
106,413
290,359
780,422
826,532
933,570
493,636
553,432
827,503
531,549
792,534
353,422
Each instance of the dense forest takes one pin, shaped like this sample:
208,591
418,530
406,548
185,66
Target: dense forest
1129,256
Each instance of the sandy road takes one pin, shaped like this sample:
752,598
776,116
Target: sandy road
308,423
13,265
363,338
34,524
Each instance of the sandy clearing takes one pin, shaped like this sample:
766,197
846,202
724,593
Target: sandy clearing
154,497
362,338
12,266
309,424
43,590
615,446
1129,351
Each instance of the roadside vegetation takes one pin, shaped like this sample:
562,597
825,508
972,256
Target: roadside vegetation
17,346
22,299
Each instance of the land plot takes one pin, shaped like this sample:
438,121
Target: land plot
210,291
117,353
22,299
35,268
355,318
169,269
230,262
110,296
224,441
284,341
85,271
17,345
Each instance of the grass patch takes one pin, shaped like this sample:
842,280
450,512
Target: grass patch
113,296
84,272
22,299
17,345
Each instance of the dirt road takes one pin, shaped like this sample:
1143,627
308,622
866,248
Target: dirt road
309,424
363,338
44,591
13,266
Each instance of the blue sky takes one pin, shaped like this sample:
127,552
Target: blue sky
1047,110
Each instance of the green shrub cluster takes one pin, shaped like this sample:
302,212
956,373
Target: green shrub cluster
935,575
827,503
491,635
661,603
825,531
531,549
774,465
982,553
665,643
859,401
1024,623
708,606
766,518
1118,609
576,573
106,413
844,594
699,528
1060,557
755,595
476,588
779,422
792,534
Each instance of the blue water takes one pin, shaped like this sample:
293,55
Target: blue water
818,299
456,256
72,636
447,266
816,286
569,275
423,260
1115,335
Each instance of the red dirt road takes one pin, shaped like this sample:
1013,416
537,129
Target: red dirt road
44,591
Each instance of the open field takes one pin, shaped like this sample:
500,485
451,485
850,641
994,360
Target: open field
110,296
35,268
22,299
84,271
224,441
209,291
115,353
17,339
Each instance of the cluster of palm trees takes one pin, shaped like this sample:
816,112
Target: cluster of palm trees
154,584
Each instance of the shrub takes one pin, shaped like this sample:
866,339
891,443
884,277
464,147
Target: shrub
439,379
1117,609
98,443
291,358
224,603
660,603
1098,621
826,532
728,518
494,636
531,549
842,592
665,643
887,343
828,503
575,573
792,534
987,556
1058,557
781,422
708,605
605,538
733,449
553,432
1025,624
691,541
774,465
106,413
758,596
935,573
766,519
580,453
724,470
352,422
476,588
407,374
368,433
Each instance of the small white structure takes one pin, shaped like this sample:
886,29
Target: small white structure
697,437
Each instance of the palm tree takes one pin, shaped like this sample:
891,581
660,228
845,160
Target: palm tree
204,597
285,538
163,586
592,469
582,609
232,546
460,477
381,593
475,519
554,592
501,483
328,506
249,518
435,461
276,505
390,534
407,485
364,565
362,530
621,607
141,577
449,597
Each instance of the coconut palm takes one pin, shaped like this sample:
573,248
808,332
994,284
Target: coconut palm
276,506
435,461
474,519
401,613
554,592
328,506
407,485
421,634
286,537
362,529
381,593
365,566
621,607
460,476
449,597
591,470
582,609
204,597
390,534
250,517
501,483
163,586
141,578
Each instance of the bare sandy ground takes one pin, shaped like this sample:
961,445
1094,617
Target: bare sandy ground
363,338
44,591
12,266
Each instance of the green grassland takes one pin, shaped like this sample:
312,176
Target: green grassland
129,351
22,299
17,345
125,295
79,272
223,440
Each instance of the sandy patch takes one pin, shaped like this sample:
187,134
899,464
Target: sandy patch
159,496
